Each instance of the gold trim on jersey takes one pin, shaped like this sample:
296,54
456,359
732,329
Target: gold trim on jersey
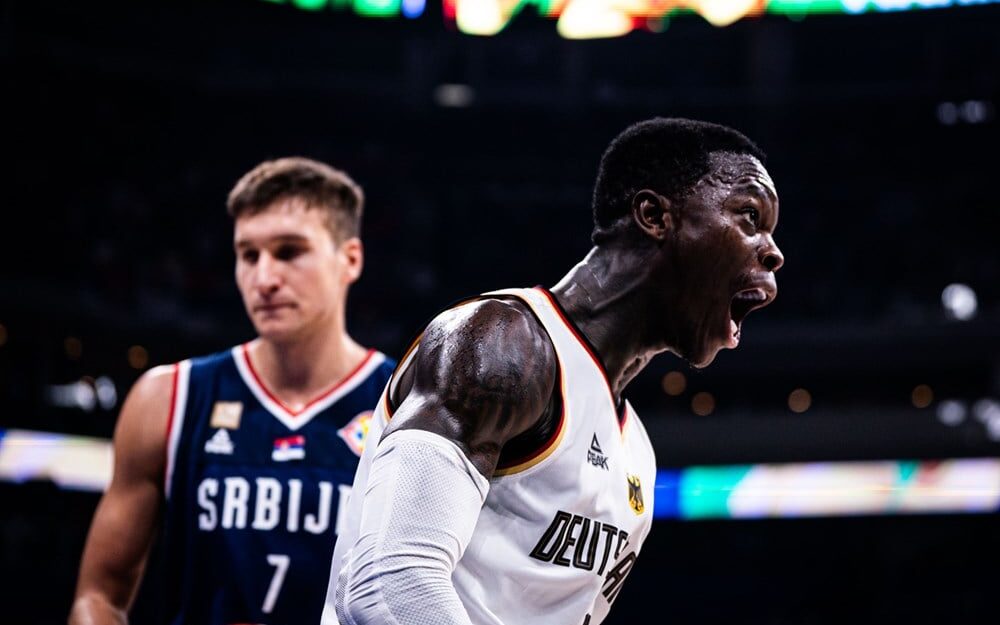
547,450
539,455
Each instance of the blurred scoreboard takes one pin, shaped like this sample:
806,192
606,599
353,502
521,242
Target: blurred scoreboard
584,19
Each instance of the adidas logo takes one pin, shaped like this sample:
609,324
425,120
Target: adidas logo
595,455
220,443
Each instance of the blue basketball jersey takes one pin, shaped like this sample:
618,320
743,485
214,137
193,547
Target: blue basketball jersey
253,489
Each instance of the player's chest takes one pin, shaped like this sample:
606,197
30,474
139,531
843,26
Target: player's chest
597,486
240,433
248,473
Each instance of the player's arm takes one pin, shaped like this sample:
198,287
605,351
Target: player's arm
126,518
484,374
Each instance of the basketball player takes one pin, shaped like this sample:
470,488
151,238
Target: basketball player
241,457
507,482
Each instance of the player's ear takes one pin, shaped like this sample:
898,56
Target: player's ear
652,214
352,254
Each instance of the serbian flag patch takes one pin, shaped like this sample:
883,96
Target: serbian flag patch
289,448
355,432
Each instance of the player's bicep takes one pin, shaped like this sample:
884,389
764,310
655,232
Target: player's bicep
126,518
483,374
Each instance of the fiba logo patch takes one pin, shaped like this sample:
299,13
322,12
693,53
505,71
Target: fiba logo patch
635,494
356,432
226,414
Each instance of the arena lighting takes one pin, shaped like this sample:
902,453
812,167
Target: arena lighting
138,357
454,96
674,383
947,113
86,394
968,485
951,412
799,400
969,112
828,489
922,396
977,111
72,462
413,8
588,19
703,404
986,410
959,301
73,347
367,8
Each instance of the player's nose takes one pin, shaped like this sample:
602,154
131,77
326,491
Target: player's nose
267,274
770,256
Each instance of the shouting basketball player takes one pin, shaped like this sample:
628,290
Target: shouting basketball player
240,458
506,481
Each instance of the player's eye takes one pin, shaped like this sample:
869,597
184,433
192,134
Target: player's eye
250,256
753,215
287,252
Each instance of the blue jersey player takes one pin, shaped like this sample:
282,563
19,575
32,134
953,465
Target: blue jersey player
239,460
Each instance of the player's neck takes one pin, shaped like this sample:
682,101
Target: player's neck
299,369
606,298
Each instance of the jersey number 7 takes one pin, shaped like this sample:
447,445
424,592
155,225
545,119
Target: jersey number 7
280,563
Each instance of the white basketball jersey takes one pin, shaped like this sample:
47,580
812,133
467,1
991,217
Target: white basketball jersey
560,530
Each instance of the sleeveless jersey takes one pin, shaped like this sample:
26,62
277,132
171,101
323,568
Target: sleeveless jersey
559,530
252,490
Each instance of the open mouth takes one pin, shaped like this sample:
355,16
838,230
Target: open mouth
742,304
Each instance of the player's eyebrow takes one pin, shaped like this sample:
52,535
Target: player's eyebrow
754,185
757,190
284,237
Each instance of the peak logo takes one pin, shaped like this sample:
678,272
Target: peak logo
595,455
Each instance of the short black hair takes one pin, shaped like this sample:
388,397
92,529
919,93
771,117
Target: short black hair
667,155
318,184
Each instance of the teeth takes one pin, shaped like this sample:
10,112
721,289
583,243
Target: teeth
754,295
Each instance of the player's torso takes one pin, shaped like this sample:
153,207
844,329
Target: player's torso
560,530
253,490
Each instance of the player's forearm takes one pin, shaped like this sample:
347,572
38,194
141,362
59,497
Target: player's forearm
420,508
94,609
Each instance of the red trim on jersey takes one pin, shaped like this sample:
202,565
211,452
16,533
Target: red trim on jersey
590,352
319,398
170,418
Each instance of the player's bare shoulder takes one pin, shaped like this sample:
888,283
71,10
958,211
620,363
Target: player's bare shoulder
141,432
484,373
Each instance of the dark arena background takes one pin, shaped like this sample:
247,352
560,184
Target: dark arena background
842,466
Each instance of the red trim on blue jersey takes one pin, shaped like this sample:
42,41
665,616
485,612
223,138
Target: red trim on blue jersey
170,420
321,397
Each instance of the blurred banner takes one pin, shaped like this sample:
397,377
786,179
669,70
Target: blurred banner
585,19
829,489
73,462
719,492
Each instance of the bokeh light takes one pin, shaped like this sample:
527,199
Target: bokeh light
138,357
922,396
703,404
674,383
73,347
799,400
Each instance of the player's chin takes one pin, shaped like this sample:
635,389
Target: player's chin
275,329
702,355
